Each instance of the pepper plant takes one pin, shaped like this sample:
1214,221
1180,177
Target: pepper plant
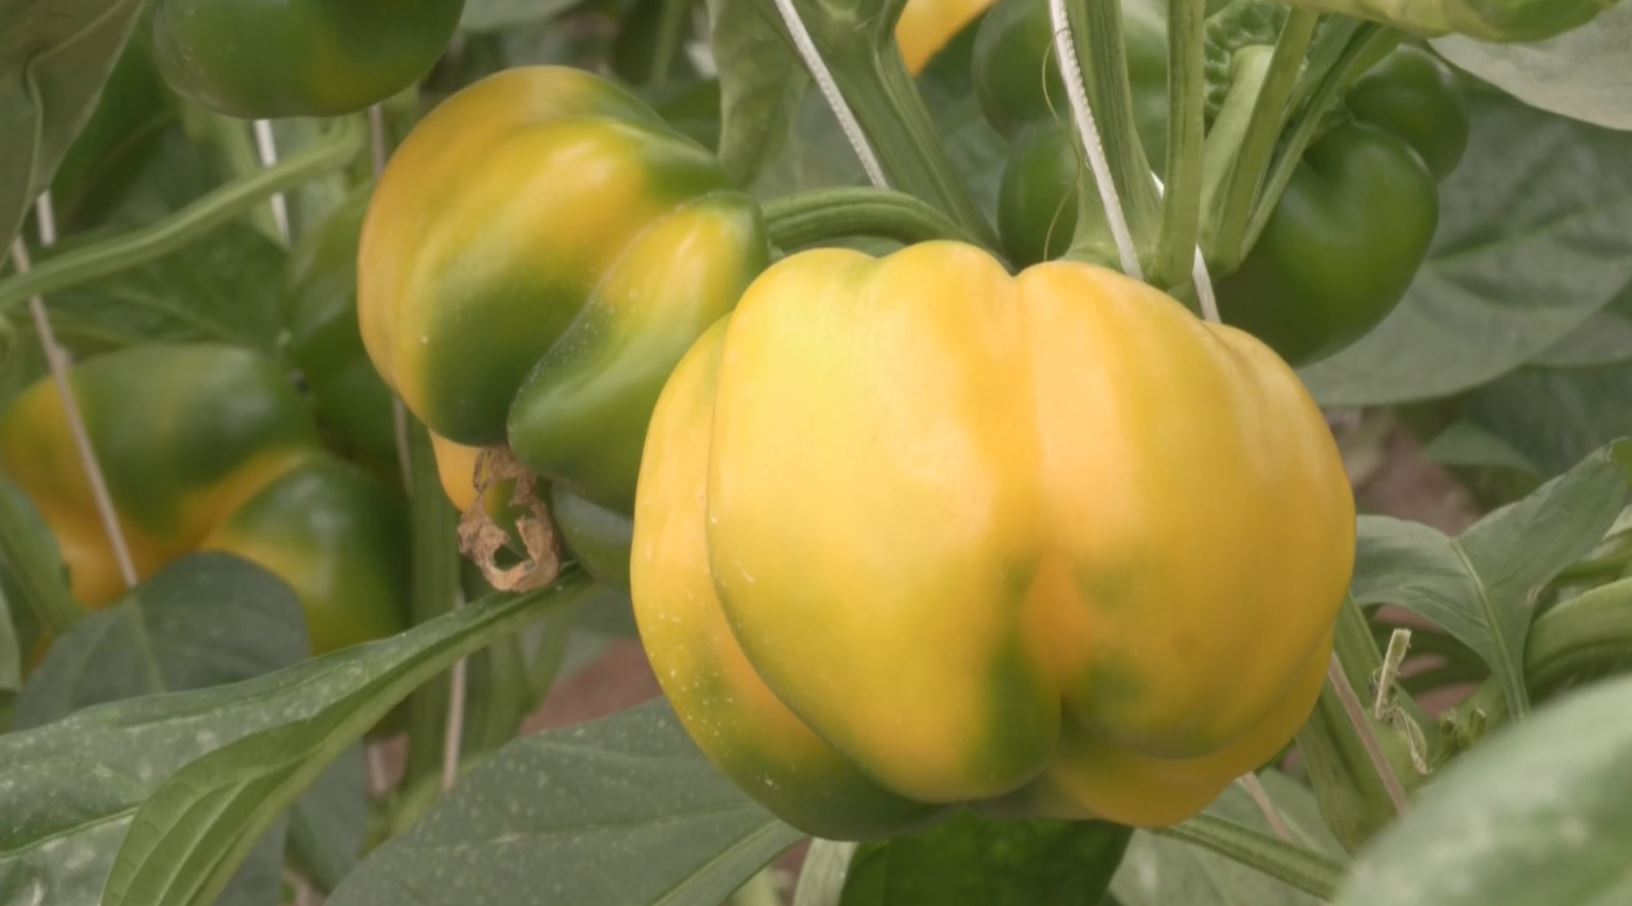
1137,452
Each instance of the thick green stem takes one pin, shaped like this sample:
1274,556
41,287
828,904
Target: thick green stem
1096,35
1235,205
1586,637
1186,136
1364,48
672,30
822,215
435,591
1309,871
35,567
892,115
139,246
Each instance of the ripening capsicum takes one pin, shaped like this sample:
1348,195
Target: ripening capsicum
914,533
538,255
253,58
927,26
208,448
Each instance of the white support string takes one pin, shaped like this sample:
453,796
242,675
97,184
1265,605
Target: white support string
830,91
1088,131
267,148
60,363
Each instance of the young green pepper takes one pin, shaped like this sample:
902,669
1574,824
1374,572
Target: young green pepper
208,447
311,58
1346,239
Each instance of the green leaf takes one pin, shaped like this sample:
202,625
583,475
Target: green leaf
77,783
226,287
1582,73
496,15
190,835
55,56
1473,446
1553,416
1481,588
1537,815
1535,237
329,824
972,860
817,154
761,82
204,621
1161,871
624,810
1603,339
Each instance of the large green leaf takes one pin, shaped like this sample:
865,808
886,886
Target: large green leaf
1535,236
624,810
1603,339
226,287
1160,871
329,824
1582,73
77,784
761,82
1555,416
1537,815
1481,587
205,621
55,56
974,861
190,835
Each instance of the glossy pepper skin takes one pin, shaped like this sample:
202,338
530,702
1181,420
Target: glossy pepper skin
927,26
1044,544
207,447
276,58
1354,225
539,253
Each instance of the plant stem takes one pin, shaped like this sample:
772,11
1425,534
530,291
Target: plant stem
1097,37
36,567
819,215
891,112
435,591
138,246
1368,43
672,31
1305,869
1586,637
1187,133
1258,145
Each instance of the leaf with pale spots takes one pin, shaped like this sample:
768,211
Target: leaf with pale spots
1537,815
70,790
624,810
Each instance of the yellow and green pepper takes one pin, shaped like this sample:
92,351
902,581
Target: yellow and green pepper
208,448
914,533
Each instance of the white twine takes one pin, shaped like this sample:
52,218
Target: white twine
60,363
268,151
830,91
1088,131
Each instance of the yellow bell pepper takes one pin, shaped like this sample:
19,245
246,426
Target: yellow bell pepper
926,26
913,533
